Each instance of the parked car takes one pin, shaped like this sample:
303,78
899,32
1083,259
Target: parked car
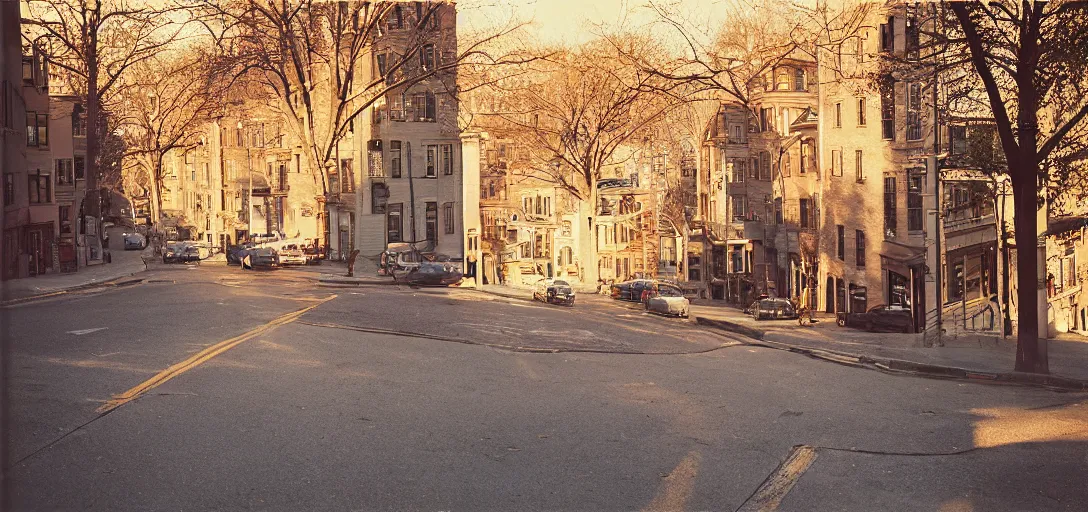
554,291
134,241
235,252
260,257
631,290
292,254
880,318
772,308
429,273
180,252
668,300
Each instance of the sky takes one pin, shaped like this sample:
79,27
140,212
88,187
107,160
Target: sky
575,21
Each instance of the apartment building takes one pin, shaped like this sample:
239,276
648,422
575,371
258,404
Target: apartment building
625,221
68,128
874,141
399,172
12,138
31,222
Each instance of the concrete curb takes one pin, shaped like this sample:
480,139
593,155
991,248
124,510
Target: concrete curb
900,365
503,294
123,280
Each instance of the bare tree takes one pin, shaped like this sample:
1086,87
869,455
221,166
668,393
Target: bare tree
167,106
325,63
1023,65
96,43
576,109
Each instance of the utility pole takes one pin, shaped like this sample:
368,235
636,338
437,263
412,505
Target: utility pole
411,193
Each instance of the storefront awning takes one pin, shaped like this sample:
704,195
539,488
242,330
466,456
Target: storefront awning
900,257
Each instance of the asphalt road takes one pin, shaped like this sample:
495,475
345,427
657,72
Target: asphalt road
210,388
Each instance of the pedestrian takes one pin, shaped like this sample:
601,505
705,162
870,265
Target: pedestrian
502,274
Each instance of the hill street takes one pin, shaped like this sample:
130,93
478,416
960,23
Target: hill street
261,390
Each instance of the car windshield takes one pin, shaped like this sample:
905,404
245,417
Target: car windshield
561,283
669,291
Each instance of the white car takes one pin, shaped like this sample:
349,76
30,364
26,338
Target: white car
292,254
668,300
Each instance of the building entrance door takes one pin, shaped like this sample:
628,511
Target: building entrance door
37,254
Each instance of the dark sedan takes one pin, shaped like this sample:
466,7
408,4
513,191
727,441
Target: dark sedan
430,273
554,291
631,290
260,257
180,252
880,318
772,308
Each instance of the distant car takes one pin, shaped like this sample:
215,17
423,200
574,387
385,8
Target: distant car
429,273
631,290
554,291
772,309
234,253
668,300
180,252
260,257
292,254
880,318
134,241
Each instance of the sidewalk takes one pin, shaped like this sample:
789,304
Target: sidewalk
125,264
993,360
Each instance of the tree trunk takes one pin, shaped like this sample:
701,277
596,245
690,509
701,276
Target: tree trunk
156,190
1030,350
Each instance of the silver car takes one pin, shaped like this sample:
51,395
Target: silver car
668,300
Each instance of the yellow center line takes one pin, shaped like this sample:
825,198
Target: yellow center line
676,490
778,485
201,357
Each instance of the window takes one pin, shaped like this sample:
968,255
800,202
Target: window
915,220
859,248
32,129
890,219
432,155
766,118
913,40
347,176
785,164
447,159
841,247
887,109
740,207
426,57
799,79
958,139
396,19
222,199
393,222
64,171
914,111
764,165
782,79
859,169
449,220
738,174
836,162
432,221
861,111
397,110
9,189
778,210
805,155
379,195
43,129
887,35
39,187
861,50
64,214
737,139
6,109
394,158
80,166
838,114
422,107
805,218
